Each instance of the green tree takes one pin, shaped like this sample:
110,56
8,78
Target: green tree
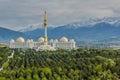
36,77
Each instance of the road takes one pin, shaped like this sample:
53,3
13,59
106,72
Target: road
9,57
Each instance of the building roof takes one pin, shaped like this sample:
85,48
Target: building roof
63,39
41,39
20,39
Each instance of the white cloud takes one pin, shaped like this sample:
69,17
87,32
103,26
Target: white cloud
15,13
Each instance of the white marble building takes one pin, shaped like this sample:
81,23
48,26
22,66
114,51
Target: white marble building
63,43
43,43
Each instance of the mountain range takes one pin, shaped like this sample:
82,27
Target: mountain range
7,34
91,29
98,31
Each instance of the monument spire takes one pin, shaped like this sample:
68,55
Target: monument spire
45,28
45,19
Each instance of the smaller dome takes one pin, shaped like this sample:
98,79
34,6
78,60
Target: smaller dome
12,41
51,40
41,39
28,40
63,39
20,39
55,40
72,40
31,40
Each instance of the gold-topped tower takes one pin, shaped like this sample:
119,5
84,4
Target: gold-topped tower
45,28
45,19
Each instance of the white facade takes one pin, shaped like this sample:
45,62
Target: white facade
43,43
63,43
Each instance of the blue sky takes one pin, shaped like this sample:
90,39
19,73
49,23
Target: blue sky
18,14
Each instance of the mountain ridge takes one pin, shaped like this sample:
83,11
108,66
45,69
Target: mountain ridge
103,29
7,34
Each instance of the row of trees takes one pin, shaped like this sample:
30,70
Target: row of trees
4,53
81,64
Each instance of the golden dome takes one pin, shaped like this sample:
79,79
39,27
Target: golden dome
20,39
63,39
41,39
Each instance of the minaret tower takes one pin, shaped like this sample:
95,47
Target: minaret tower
45,28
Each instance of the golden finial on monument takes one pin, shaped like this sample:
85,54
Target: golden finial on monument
45,19
45,26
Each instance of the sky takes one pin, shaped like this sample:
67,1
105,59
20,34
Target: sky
19,14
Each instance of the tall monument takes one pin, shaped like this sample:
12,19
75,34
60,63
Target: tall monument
51,45
45,28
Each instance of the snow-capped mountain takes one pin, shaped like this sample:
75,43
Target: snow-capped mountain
92,29
92,21
7,34
32,27
83,23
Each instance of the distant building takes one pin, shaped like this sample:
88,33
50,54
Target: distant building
43,43
63,43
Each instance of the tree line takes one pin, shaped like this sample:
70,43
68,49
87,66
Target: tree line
80,64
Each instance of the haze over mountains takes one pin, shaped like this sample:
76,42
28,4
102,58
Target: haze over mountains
92,29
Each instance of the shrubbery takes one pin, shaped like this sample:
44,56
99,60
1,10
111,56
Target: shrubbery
81,64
